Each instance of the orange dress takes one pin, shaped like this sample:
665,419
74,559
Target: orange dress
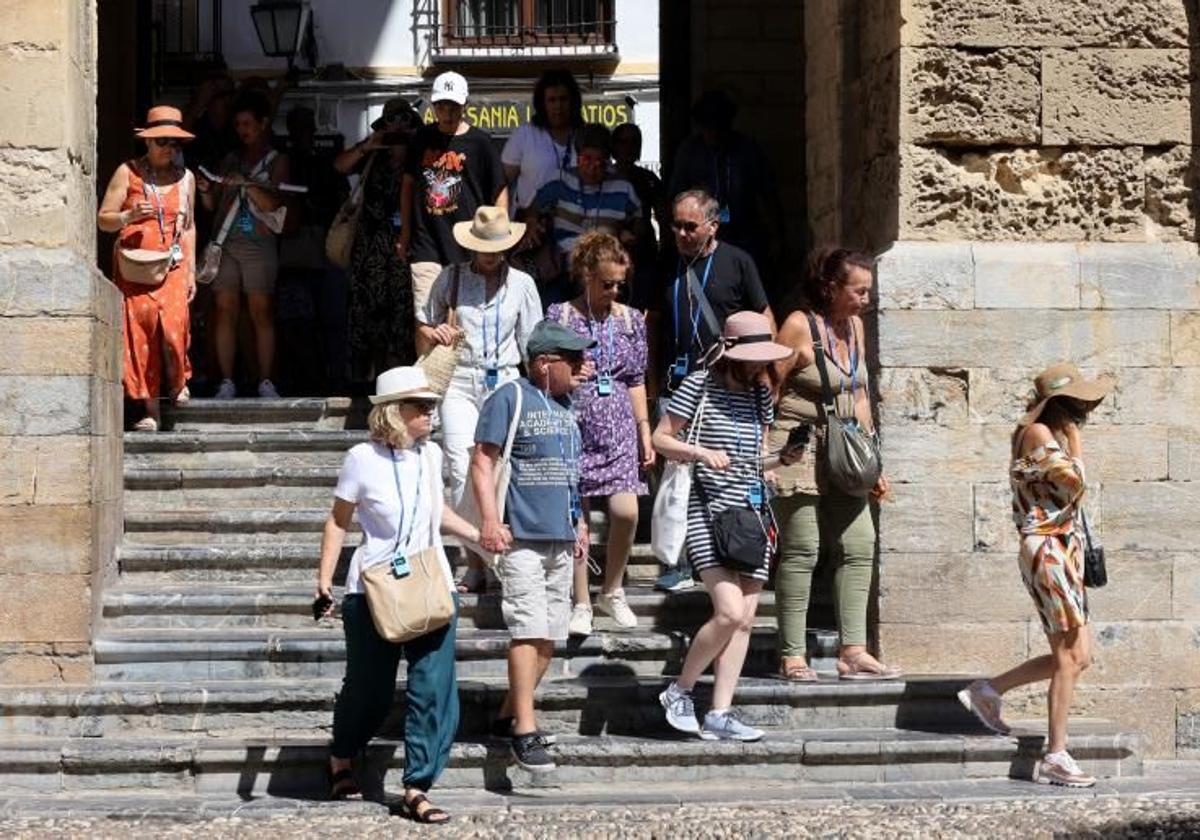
155,323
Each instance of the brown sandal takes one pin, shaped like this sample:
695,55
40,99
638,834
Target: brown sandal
797,673
856,669
432,815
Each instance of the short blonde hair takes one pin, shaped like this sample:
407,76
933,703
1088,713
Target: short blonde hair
387,426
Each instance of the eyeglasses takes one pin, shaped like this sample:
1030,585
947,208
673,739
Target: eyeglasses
163,142
574,360
686,227
423,406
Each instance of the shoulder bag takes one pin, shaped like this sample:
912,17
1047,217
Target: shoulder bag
339,242
211,263
668,523
404,608
501,474
850,458
441,360
147,267
1095,572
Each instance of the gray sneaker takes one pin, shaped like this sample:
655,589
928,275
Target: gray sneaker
728,726
681,712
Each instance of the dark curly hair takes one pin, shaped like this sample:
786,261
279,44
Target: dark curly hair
829,268
557,77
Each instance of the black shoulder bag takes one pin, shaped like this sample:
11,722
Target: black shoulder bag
1095,573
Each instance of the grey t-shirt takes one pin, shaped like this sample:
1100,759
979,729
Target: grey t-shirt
545,460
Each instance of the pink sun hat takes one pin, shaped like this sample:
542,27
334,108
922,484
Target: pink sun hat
747,337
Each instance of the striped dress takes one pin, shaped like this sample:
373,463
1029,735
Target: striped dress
733,423
1047,487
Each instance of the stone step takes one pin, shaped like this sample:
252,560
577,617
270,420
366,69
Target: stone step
192,488
289,413
299,766
175,654
244,449
282,607
580,706
294,561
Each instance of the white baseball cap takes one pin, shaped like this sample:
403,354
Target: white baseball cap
450,87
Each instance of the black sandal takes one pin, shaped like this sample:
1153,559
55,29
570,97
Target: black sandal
343,786
430,816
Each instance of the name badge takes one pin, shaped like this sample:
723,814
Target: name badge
491,378
755,495
246,222
723,215
397,220
400,565
176,253
604,385
680,368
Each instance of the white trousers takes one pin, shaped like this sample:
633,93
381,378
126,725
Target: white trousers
460,415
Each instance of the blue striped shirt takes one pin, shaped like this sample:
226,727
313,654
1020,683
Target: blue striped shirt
612,206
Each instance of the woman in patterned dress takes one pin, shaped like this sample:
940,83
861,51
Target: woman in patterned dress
1048,486
149,203
612,413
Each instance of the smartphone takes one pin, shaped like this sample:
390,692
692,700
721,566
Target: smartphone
797,441
319,605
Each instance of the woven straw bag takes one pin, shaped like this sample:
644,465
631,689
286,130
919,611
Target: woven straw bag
439,363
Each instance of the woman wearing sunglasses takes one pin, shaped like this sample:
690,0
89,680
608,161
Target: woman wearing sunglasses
390,482
612,414
148,204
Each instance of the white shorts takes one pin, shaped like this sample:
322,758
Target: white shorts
535,582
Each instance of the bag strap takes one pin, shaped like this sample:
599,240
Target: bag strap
360,187
227,225
516,420
452,310
706,310
828,407
435,493
693,435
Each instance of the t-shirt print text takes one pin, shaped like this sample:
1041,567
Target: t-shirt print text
443,176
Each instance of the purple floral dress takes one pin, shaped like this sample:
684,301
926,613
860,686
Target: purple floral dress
610,460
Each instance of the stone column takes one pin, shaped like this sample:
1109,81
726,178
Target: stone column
60,395
1044,212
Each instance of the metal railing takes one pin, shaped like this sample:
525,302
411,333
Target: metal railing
187,36
534,23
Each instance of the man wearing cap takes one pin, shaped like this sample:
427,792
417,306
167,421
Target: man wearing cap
452,170
543,530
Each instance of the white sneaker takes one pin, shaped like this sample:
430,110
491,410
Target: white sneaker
266,390
981,699
581,620
226,391
615,606
681,712
1061,769
728,726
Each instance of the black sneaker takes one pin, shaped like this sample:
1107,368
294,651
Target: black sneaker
502,728
530,753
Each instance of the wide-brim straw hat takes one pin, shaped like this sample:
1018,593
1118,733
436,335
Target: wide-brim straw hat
403,383
747,337
1065,380
489,232
163,121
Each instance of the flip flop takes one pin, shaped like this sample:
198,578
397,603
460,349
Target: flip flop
342,786
798,674
854,669
430,816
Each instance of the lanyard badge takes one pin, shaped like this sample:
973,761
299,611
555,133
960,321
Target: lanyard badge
400,564
604,385
491,378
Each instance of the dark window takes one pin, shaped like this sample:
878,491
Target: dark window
529,22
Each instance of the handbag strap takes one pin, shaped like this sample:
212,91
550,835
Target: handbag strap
693,435
706,310
452,310
226,225
361,186
828,406
516,420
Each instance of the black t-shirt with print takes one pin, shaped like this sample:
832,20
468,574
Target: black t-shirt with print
733,286
454,176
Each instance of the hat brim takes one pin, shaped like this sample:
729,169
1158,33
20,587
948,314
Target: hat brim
1083,391
397,396
446,97
577,345
171,131
464,237
761,352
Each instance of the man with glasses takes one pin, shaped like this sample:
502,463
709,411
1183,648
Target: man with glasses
710,281
543,529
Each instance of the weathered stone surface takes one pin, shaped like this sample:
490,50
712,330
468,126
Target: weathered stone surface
44,405
32,83
1116,97
970,98
1140,588
1146,653
36,281
1186,586
1187,734
1026,275
923,395
919,453
1126,453
1152,516
926,275
28,663
31,213
1000,395
45,608
954,587
994,531
54,539
1149,711
979,647
1183,455
906,525
1029,339
46,346
1017,194
41,26
50,471
1046,23
1158,395
1185,338
1139,276
1172,178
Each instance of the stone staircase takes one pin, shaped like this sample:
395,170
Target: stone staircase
212,678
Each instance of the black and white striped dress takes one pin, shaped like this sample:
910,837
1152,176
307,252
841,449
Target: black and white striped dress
732,423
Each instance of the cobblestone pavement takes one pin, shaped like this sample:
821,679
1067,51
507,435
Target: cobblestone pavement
1045,814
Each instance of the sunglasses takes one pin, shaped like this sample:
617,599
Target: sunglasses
163,142
686,227
423,406
609,285
575,361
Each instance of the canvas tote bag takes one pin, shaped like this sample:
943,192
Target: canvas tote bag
668,524
501,473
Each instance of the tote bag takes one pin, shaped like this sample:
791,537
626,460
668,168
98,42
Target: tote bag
501,474
668,523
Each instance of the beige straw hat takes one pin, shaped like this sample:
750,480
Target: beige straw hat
746,337
1065,380
163,121
489,232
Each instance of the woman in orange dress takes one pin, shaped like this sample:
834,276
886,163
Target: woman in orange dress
149,204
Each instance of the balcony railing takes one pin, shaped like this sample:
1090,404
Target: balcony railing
534,28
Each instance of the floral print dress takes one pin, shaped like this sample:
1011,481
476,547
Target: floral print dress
1048,487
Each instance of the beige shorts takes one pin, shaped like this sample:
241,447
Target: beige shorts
247,266
535,581
423,275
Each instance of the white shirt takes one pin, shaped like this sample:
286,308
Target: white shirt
520,309
540,158
367,481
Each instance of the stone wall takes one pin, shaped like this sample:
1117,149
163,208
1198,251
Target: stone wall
60,396
1045,212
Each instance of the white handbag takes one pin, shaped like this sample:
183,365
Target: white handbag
501,474
668,523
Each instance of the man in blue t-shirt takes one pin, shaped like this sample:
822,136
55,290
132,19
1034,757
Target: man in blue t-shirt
543,530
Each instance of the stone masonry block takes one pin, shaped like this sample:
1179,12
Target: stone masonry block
1183,455
44,405
1187,733
1025,338
34,26
1162,654
994,531
32,83
1116,97
1185,338
1139,275
1000,395
44,471
922,395
1147,710
45,608
1159,395
1186,586
954,587
36,281
917,453
1172,178
970,98
979,647
1011,275
926,275
33,662
1046,23
1152,516
46,346
1126,453
54,539
1140,589
905,525
33,187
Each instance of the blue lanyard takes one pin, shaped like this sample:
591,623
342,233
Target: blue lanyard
853,350
754,422
400,535
483,318
600,355
148,188
679,280
562,451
